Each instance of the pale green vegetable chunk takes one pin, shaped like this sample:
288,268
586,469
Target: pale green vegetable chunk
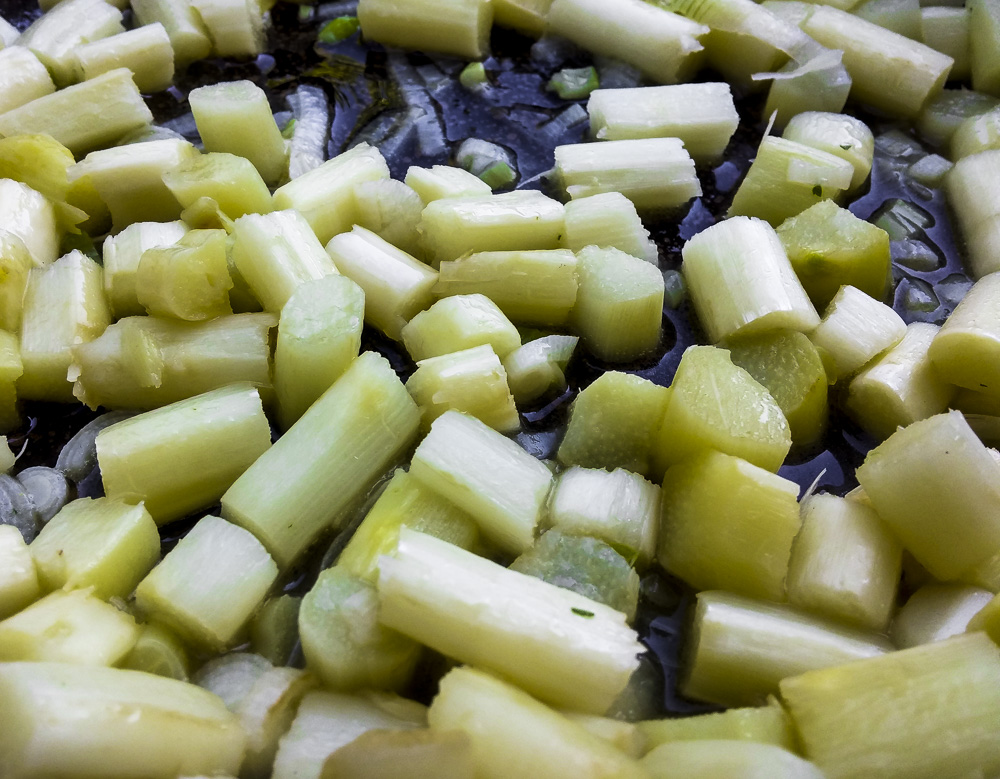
68,627
559,646
189,280
22,78
459,322
236,27
15,263
188,36
209,585
105,544
910,480
458,27
18,578
538,367
159,650
768,724
441,181
122,254
11,369
984,45
418,754
713,758
925,712
936,612
512,733
839,134
231,181
608,219
146,51
29,216
966,351
111,724
727,524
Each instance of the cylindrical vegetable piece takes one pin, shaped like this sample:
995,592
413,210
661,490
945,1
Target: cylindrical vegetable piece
146,51
122,254
22,78
236,27
326,461
608,219
967,348
188,36
232,182
713,758
189,280
28,216
459,27
18,578
936,612
184,456
459,322
741,281
235,117
663,45
984,45
563,648
840,135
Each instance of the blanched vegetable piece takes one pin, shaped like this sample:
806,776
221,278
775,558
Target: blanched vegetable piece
68,627
22,78
741,282
539,366
513,221
815,81
64,306
18,578
656,174
325,195
122,254
845,563
943,114
418,754
343,642
391,210
319,334
231,181
107,723
306,483
727,524
210,439
158,650
619,304
405,501
209,585
502,487
740,649
274,630
663,45
901,386
900,16
768,724
988,619
513,733
936,612
10,370
717,405
966,351
105,544
984,45
189,280
918,713
15,262
459,322
29,216
613,423
910,480
326,721
840,135
559,646
608,219
458,27
947,30
396,285
711,758
235,117
236,27
146,51
147,362
441,181
84,116
188,36
472,381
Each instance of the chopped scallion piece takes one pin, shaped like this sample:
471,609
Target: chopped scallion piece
339,29
473,76
574,83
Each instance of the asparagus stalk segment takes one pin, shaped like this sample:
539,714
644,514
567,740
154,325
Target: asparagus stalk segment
513,733
28,216
740,649
232,182
391,210
608,219
327,461
84,116
565,649
209,585
441,181
236,27
840,135
936,455
396,285
146,51
656,174
947,30
23,78
936,612
105,544
709,758
855,329
741,282
538,367
188,35
663,45
927,712
459,322
967,348
459,27
210,439
15,264
501,486
984,45
11,369
768,724
18,577
122,254
189,280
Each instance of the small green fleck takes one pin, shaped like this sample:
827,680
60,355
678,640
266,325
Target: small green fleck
818,191
574,83
583,613
289,129
473,76
339,29
498,175
846,146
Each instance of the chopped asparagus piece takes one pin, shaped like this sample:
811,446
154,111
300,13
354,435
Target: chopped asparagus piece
122,254
740,649
839,134
15,263
188,35
442,181
944,113
189,280
28,216
910,481
703,116
728,524
901,386
947,30
85,116
711,758
922,712
18,577
936,612
236,27
343,643
146,51
559,646
656,174
159,651
22,78
396,285
768,724
418,754
11,369
232,182
105,544
391,210
68,627
513,733
984,45
306,483
458,27
112,723
147,362
663,45
209,585
613,423
966,349
274,630
610,220
210,439
538,367
459,322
